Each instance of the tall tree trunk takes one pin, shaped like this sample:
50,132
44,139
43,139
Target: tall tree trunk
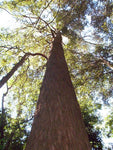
58,123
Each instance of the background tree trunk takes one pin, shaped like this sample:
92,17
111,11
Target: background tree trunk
58,123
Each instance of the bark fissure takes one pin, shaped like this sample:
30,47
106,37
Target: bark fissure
59,124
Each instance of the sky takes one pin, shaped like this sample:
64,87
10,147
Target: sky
7,21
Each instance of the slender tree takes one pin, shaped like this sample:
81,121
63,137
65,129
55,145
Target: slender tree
58,122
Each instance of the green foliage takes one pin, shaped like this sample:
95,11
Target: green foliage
14,131
108,123
90,65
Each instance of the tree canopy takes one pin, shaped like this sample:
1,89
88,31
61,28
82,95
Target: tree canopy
87,30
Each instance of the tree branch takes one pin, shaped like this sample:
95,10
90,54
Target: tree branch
35,54
20,63
107,63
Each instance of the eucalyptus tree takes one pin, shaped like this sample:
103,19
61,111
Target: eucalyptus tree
29,47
